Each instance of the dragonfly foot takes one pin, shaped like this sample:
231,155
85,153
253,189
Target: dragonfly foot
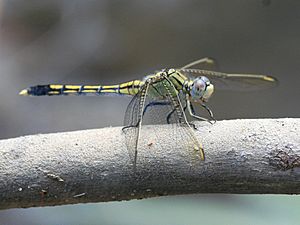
127,127
193,126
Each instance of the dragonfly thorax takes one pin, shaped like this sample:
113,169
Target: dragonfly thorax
201,88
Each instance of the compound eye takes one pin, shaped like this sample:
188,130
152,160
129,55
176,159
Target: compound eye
205,79
202,88
200,85
198,88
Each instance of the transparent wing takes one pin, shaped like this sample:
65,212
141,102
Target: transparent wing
183,135
237,82
132,120
162,105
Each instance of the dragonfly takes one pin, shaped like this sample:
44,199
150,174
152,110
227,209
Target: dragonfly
166,96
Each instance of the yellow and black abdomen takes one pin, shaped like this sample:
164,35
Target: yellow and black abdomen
128,88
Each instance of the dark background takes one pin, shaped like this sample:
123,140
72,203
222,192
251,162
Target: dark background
108,42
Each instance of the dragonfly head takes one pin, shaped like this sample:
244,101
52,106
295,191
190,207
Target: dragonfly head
202,89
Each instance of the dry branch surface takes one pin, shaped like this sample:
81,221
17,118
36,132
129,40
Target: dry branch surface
242,156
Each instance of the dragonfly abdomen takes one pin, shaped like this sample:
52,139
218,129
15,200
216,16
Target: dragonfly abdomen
128,88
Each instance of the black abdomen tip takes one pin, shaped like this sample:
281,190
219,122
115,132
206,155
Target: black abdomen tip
39,90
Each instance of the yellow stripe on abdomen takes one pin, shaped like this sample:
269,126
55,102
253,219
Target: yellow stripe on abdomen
109,91
131,87
128,88
53,92
88,91
73,87
56,86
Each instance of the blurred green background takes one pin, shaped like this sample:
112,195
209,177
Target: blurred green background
111,41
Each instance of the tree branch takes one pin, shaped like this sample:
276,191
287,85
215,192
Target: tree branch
242,156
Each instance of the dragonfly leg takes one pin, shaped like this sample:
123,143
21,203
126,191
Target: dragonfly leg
126,127
161,103
211,115
172,112
154,104
191,124
206,60
185,107
192,112
169,116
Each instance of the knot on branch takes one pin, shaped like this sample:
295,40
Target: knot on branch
285,160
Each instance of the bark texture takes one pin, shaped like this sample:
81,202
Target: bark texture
242,156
